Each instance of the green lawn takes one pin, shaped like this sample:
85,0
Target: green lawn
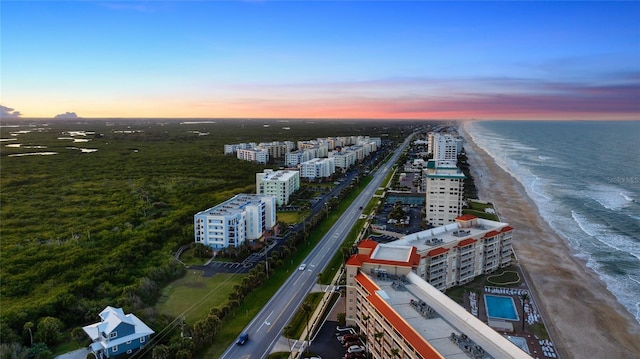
477,209
195,295
291,217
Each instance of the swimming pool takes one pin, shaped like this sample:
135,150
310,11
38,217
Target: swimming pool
500,307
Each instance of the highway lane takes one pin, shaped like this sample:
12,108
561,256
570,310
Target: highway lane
267,326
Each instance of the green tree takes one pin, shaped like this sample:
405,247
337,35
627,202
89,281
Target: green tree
40,351
49,330
160,351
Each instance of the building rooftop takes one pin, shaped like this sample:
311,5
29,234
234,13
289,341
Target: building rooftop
233,205
280,175
430,325
466,227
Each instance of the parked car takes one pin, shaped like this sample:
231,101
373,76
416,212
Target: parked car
343,329
353,342
351,331
243,338
356,349
354,355
347,337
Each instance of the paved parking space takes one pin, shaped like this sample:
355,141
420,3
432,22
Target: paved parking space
326,343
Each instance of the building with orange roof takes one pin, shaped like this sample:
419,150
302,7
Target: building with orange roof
400,314
403,316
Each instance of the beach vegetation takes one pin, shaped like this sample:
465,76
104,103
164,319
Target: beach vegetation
505,278
539,330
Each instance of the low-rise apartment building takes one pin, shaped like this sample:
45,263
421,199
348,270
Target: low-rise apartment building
254,155
279,184
231,223
318,168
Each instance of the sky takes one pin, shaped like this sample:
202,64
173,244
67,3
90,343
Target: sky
321,59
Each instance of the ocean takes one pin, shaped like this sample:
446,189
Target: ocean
584,176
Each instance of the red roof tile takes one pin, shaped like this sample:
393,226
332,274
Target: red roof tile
507,229
467,217
367,243
492,234
466,242
357,259
437,251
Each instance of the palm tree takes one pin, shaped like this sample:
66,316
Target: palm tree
395,352
306,308
287,329
524,297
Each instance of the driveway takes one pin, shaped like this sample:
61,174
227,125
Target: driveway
76,354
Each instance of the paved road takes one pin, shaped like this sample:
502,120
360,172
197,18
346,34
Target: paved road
267,326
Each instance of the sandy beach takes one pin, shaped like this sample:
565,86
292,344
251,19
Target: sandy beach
583,318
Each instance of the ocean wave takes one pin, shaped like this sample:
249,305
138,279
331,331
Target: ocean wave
559,196
610,197
606,236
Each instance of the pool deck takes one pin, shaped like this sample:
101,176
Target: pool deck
538,348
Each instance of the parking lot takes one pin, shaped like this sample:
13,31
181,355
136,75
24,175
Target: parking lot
326,343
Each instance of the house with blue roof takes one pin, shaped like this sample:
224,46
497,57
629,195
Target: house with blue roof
117,333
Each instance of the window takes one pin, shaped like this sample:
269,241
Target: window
114,349
113,335
129,342
129,351
142,340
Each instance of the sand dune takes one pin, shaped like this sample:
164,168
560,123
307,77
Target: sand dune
584,319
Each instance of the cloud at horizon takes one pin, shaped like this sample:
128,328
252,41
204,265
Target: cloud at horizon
8,112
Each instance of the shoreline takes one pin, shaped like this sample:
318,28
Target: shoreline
583,318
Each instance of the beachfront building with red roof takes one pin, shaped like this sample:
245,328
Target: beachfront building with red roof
454,254
405,317
401,315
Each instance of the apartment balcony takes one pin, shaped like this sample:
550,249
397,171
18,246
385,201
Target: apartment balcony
506,242
467,262
467,250
466,278
468,255
491,240
440,265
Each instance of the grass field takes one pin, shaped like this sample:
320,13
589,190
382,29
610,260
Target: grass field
291,217
477,209
195,295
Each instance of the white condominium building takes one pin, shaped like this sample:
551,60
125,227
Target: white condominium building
343,159
295,158
318,168
260,156
231,223
443,183
279,184
232,149
446,146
